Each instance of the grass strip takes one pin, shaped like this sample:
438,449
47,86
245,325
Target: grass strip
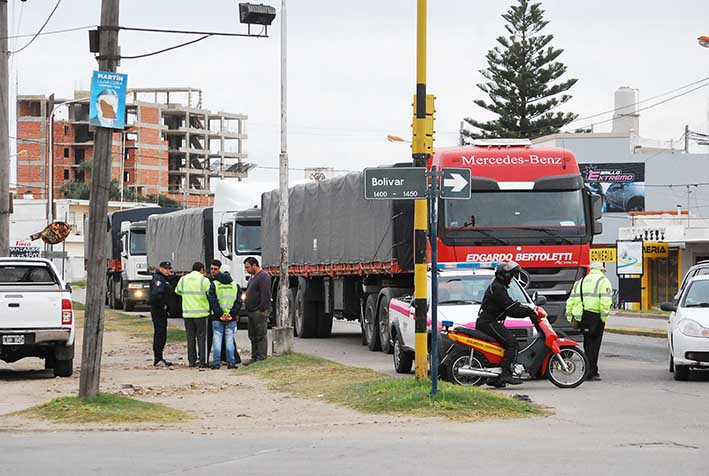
368,391
133,325
104,408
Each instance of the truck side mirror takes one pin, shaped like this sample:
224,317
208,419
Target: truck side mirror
221,238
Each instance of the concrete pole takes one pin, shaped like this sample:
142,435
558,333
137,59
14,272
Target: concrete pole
283,333
98,211
4,135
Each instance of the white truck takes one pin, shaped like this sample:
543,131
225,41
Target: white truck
460,293
37,319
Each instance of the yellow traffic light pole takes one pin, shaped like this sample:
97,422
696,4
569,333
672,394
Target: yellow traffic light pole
422,148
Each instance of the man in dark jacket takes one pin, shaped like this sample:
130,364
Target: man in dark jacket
496,306
160,291
258,306
225,302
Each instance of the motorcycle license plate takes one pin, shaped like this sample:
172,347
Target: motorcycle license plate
13,340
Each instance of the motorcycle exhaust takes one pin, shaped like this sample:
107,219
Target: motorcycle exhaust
471,372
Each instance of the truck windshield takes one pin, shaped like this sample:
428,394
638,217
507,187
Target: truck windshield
515,214
471,289
137,242
248,238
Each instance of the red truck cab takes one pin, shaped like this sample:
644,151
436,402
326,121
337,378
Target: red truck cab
528,204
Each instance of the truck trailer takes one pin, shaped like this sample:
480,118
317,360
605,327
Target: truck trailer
182,237
348,257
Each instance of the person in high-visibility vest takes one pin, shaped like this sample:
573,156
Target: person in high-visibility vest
588,308
225,300
193,288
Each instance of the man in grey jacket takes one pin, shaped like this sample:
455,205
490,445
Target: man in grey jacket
258,307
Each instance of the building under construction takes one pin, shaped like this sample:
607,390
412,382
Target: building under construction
171,146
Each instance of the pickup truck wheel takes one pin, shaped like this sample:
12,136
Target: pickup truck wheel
403,359
49,362
63,368
371,323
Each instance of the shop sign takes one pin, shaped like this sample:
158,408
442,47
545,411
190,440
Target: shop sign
656,250
603,255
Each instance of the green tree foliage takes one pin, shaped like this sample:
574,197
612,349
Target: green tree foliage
524,82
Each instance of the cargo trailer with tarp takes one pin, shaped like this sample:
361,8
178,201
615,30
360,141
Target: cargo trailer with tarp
182,238
346,254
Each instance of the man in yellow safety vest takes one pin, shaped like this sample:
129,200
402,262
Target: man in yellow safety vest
588,308
193,288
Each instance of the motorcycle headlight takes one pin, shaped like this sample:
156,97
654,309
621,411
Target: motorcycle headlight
692,328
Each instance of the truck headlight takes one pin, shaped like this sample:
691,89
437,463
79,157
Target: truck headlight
692,328
138,293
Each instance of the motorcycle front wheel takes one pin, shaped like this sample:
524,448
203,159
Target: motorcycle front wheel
576,364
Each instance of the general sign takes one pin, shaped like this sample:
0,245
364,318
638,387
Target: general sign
395,183
655,250
629,259
603,255
108,100
455,184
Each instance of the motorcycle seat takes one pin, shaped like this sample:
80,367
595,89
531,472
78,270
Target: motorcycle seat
474,333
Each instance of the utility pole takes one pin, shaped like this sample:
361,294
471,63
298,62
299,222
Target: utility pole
283,334
98,211
4,135
686,139
422,148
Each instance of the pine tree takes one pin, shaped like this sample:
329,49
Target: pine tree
523,80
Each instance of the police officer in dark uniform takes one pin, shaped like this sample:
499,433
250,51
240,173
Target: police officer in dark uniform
160,290
496,306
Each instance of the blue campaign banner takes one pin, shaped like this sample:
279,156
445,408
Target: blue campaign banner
108,100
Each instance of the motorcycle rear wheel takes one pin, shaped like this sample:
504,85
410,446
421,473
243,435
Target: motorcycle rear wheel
577,364
460,359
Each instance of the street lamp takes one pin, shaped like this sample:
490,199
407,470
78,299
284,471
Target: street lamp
703,41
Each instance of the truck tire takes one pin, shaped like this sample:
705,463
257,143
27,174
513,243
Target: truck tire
324,323
385,297
291,310
306,313
115,300
63,368
371,323
128,306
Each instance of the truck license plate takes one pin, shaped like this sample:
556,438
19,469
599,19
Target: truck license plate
13,340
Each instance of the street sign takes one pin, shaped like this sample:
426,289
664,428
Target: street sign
455,184
396,183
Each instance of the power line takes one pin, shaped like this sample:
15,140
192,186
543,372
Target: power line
52,32
40,30
167,49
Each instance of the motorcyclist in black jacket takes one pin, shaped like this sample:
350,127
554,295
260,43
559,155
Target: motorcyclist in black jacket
496,306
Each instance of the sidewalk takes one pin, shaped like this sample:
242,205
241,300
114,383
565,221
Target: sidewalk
640,324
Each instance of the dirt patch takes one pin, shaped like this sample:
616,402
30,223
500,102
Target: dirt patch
220,400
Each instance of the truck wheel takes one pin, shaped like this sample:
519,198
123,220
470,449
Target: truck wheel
363,303
324,323
115,301
128,306
305,314
403,359
63,368
384,333
371,323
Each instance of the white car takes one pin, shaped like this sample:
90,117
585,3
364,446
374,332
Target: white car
460,292
37,319
688,328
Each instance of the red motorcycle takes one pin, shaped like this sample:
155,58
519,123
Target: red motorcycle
471,357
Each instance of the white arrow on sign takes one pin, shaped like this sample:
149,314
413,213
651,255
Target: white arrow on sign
456,183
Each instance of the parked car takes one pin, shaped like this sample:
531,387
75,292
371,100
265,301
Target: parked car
688,328
37,319
699,269
460,293
625,197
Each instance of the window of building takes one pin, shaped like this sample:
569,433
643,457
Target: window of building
66,152
66,130
66,174
36,109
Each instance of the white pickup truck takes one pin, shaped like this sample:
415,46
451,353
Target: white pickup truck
460,292
36,316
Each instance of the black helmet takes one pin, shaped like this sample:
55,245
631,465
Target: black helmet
507,271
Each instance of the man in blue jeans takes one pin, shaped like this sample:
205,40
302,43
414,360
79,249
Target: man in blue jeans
225,302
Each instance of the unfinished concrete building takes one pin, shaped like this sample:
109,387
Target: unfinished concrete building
171,145
201,144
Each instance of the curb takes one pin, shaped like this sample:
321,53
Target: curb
634,331
641,315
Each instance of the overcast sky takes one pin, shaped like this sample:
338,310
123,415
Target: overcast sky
352,65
